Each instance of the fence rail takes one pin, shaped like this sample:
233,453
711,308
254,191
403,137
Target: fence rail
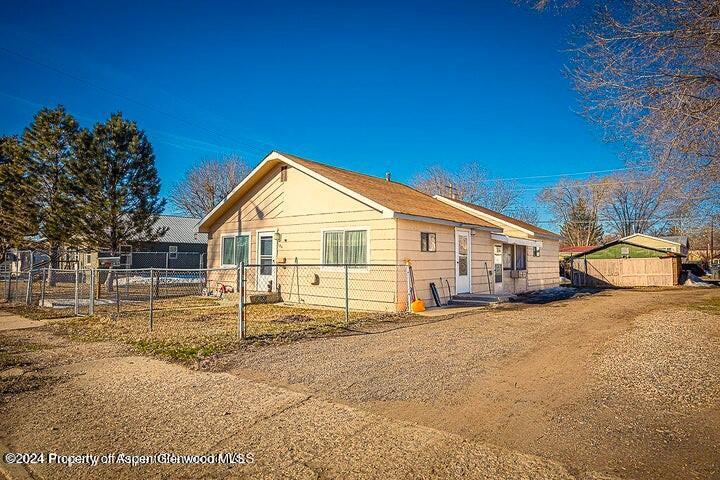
119,291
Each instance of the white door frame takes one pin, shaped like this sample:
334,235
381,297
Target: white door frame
260,286
462,288
498,260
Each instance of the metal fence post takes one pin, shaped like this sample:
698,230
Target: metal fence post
347,294
91,299
241,301
152,294
408,280
28,290
43,277
117,294
77,293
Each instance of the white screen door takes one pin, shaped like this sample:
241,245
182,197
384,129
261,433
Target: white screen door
266,271
498,271
462,261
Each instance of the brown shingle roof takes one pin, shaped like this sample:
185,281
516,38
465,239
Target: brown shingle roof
396,196
514,221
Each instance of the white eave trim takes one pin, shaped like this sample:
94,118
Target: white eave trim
440,221
276,156
515,240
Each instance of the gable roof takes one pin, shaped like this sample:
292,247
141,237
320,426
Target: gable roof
535,230
391,198
180,230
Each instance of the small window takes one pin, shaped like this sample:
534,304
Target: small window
536,251
508,256
235,248
427,242
173,251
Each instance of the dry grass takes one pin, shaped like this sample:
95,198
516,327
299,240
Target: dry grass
192,328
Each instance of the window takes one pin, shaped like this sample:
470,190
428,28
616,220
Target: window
235,248
508,257
536,251
344,246
520,257
514,257
173,251
427,242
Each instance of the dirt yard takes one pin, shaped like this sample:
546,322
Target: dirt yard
625,383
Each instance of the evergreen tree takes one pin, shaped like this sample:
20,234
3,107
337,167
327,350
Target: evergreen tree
581,228
118,185
50,143
18,208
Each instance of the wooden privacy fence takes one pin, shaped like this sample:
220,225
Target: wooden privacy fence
626,272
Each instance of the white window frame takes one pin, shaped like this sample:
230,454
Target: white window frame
339,268
172,252
234,236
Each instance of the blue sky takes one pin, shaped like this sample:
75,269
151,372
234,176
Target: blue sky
373,87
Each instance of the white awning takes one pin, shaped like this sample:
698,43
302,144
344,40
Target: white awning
515,240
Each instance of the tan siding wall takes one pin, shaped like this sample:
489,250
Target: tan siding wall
300,209
544,271
439,267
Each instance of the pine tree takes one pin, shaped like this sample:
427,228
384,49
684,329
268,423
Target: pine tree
18,208
118,185
581,227
50,143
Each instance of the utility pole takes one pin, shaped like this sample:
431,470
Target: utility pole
712,239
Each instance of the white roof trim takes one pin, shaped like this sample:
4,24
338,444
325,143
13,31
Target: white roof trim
516,241
276,156
483,215
420,218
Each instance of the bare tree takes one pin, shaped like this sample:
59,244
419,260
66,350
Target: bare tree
641,202
526,214
649,71
470,183
206,184
576,205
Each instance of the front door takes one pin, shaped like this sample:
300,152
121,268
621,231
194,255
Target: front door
498,271
266,257
462,261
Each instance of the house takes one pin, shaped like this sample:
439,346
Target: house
293,211
633,261
181,246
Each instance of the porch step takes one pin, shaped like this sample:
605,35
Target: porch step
478,300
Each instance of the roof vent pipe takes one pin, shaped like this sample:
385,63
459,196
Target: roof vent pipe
387,176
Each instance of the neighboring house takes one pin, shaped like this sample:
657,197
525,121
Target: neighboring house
677,244
180,247
292,210
628,263
568,251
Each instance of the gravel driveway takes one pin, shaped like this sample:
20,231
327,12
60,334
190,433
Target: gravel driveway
623,382
80,398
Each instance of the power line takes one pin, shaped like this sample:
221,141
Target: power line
534,177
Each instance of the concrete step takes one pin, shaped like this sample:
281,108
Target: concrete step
476,297
470,303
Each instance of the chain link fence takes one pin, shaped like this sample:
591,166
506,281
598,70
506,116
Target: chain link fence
180,301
